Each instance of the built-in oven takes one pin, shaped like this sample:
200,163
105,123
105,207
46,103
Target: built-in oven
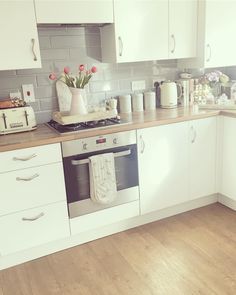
76,157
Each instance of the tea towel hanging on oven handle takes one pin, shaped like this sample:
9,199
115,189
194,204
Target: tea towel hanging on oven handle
102,177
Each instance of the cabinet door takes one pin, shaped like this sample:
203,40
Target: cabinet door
18,33
202,172
140,32
163,166
182,28
228,185
74,11
220,27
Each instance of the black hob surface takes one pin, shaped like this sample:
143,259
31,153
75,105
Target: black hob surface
62,129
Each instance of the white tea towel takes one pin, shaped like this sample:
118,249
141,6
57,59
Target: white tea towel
102,178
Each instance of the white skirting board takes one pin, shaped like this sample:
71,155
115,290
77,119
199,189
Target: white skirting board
228,202
46,249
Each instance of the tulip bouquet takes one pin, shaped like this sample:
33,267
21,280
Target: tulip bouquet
75,81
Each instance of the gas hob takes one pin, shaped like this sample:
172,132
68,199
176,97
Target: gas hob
84,126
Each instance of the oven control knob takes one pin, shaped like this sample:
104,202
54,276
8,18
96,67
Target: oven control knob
115,140
85,146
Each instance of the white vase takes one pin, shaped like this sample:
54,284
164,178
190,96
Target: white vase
78,101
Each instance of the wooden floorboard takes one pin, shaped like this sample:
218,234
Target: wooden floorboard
187,254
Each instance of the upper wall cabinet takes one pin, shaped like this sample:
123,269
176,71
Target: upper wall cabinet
182,28
150,30
216,30
140,32
74,11
19,47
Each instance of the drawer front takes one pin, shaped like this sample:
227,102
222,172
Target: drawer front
32,187
48,223
30,157
104,217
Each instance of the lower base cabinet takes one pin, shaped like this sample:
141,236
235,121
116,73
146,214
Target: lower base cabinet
177,163
228,175
34,227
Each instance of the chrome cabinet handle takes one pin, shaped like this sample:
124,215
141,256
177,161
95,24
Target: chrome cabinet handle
24,159
173,37
33,218
120,46
27,178
142,144
209,50
33,50
194,134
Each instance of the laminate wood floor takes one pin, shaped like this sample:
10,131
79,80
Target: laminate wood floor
191,253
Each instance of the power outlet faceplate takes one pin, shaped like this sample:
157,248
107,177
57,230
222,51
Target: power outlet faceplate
28,92
138,85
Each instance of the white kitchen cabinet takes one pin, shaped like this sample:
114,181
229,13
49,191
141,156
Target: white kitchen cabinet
182,28
74,11
202,173
216,30
150,30
228,175
139,32
177,163
163,166
33,207
19,37
33,227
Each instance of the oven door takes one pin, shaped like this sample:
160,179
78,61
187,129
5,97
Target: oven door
77,180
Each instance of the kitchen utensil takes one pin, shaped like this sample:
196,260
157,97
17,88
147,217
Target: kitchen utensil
168,94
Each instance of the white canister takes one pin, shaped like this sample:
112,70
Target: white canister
150,101
137,102
125,103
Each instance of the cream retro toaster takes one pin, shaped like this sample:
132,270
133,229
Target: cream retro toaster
17,120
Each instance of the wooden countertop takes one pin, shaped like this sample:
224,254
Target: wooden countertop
44,135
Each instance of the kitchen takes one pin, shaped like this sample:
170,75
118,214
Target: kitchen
181,152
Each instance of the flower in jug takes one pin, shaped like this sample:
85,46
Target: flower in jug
75,81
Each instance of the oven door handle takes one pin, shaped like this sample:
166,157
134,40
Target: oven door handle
116,155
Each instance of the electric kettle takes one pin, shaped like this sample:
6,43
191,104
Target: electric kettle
169,94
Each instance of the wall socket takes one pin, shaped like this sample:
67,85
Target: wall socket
138,85
28,92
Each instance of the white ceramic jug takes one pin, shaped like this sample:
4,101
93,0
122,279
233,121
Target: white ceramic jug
169,94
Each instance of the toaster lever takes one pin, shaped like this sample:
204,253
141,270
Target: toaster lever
26,118
4,120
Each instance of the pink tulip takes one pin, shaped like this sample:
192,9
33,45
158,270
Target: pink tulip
81,68
66,70
93,69
52,76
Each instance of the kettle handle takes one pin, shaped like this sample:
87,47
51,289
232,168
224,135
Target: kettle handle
180,90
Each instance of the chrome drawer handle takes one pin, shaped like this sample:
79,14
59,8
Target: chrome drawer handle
33,51
27,178
142,144
24,159
33,218
120,46
173,38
